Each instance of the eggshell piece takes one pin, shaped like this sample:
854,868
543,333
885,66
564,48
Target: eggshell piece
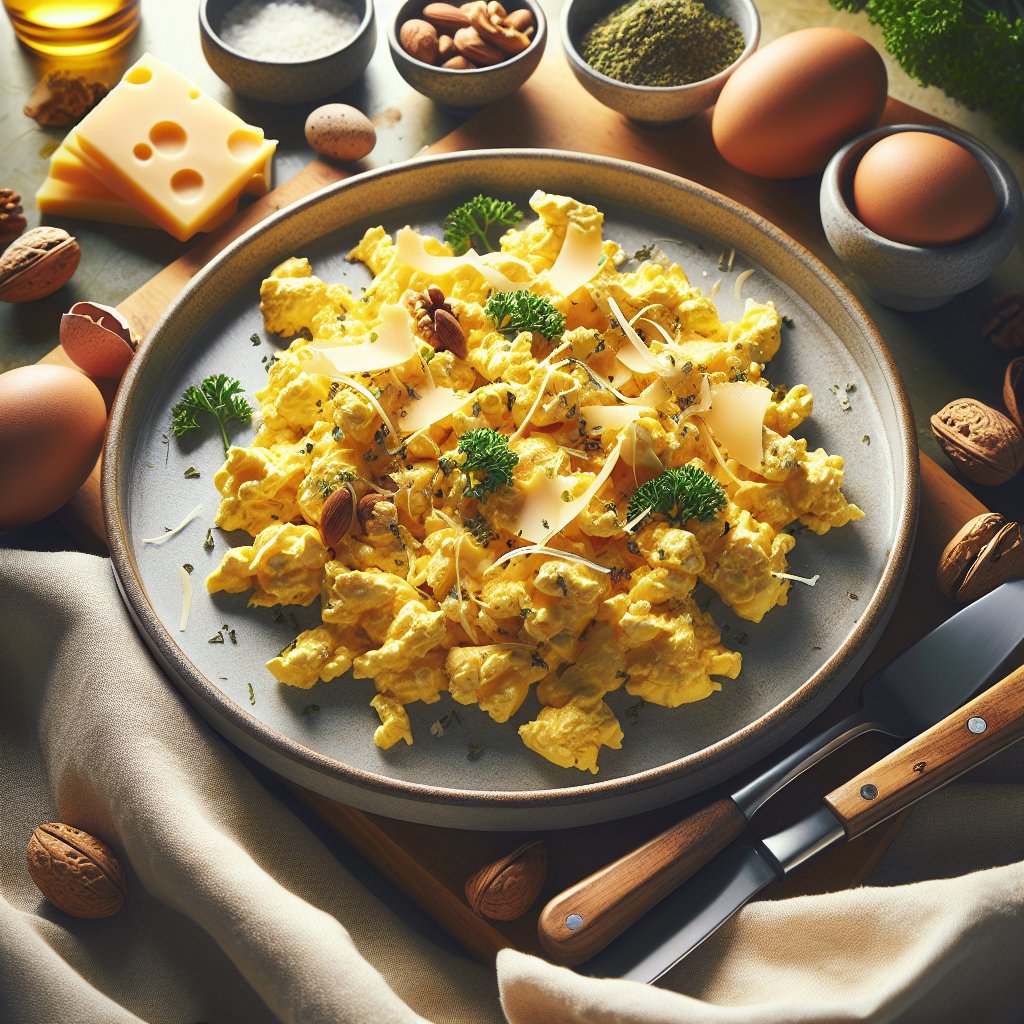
97,338
340,132
52,421
922,189
791,105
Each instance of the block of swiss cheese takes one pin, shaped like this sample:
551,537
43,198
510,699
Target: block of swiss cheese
164,146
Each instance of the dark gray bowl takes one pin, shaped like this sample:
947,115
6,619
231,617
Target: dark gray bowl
653,106
912,277
467,90
286,81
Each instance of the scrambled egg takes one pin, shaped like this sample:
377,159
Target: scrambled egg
413,596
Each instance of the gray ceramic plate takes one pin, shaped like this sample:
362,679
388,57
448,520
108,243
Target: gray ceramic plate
795,662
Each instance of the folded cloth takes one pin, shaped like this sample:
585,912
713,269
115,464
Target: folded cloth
237,912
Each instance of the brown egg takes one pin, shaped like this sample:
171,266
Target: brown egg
97,338
52,420
340,132
920,188
786,110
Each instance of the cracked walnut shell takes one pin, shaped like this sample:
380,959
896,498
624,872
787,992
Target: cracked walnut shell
985,445
987,552
12,217
75,871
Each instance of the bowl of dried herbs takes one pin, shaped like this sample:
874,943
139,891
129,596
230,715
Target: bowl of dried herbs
658,62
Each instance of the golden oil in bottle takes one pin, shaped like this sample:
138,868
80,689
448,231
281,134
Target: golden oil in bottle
70,28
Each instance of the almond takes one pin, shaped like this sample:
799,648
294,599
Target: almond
459,63
446,18
521,20
419,40
75,871
336,517
507,888
445,48
473,48
449,334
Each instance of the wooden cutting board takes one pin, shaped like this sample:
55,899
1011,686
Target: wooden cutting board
431,865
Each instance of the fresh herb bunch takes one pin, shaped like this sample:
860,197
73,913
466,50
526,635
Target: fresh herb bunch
524,311
971,49
220,396
472,220
678,495
488,461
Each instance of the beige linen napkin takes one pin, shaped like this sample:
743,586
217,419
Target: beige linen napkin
237,912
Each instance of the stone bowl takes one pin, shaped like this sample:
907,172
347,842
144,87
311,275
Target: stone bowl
911,277
652,106
286,81
467,90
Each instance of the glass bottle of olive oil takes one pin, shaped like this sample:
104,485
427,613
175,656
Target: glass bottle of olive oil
70,28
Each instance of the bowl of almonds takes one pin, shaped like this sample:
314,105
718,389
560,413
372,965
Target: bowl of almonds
468,56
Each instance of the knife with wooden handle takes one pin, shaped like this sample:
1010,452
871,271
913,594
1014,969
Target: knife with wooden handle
985,726
927,681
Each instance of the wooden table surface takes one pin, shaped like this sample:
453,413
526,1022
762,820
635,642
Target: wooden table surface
553,111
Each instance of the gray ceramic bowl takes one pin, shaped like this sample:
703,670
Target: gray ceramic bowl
466,90
911,277
649,105
286,81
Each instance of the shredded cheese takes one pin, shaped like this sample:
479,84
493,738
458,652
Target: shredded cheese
536,402
541,549
810,581
164,537
432,405
741,281
636,520
648,362
577,260
186,597
369,396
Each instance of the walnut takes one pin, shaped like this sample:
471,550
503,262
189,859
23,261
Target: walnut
984,444
75,871
37,263
1013,390
12,219
61,98
491,22
507,888
987,552
1004,321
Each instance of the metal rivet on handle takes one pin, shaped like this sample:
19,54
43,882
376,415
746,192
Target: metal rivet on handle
573,921
976,725
869,792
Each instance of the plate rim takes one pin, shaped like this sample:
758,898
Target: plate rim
185,674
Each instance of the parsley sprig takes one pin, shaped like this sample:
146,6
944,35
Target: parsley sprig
488,461
467,226
678,495
524,311
220,396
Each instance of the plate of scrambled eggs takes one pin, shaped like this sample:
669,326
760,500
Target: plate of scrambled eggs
566,492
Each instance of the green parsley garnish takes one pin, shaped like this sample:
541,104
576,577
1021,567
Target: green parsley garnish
678,495
488,461
523,311
467,225
218,395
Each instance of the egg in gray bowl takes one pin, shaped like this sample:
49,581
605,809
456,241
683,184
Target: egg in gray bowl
907,276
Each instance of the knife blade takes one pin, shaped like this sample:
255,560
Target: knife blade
925,683
988,724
